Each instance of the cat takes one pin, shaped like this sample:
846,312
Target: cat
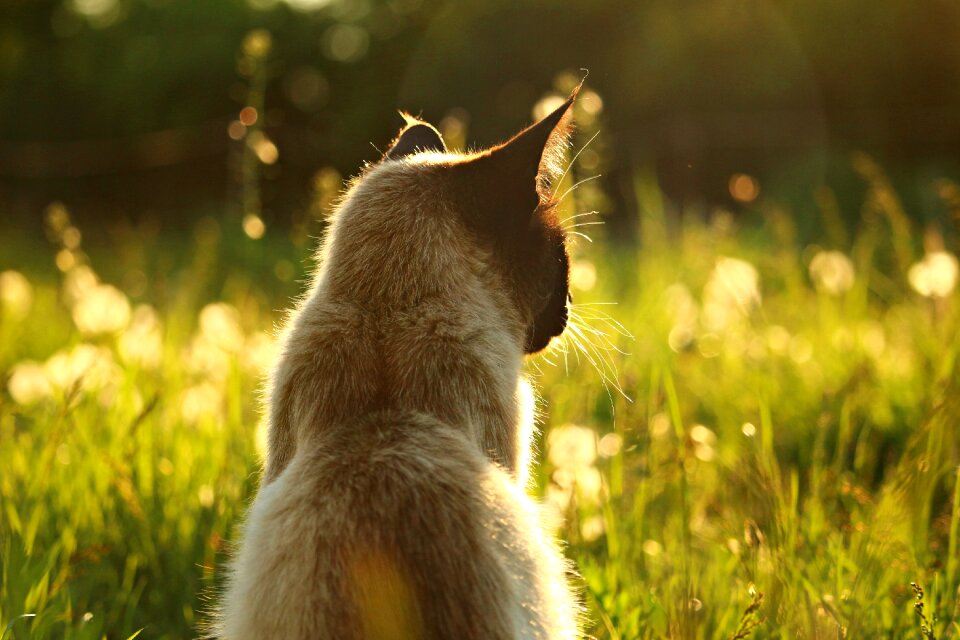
393,501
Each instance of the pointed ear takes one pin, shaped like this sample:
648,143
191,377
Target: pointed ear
416,136
523,166
536,153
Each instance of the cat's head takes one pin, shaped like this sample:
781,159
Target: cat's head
506,198
501,200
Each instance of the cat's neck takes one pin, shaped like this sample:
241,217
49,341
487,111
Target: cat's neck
345,358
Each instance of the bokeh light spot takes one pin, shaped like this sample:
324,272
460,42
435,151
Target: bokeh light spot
71,237
284,270
236,130
306,5
264,148
583,275
936,275
590,102
345,42
743,188
257,43
306,88
253,226
248,116
16,294
547,105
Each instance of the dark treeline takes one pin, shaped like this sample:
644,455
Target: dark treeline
122,108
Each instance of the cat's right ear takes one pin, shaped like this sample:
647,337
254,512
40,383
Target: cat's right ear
535,155
415,137
511,181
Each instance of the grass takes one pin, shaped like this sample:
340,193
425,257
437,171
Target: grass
786,464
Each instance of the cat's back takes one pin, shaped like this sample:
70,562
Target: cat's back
363,527
392,504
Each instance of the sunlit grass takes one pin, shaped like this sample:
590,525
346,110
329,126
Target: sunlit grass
782,461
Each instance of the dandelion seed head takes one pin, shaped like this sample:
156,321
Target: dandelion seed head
102,309
935,276
732,291
142,342
259,352
589,485
16,294
572,446
78,281
592,528
220,325
28,383
832,272
85,366
201,402
558,496
610,445
205,359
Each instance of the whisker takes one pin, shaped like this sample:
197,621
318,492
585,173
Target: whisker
582,235
598,315
597,345
603,336
580,346
604,366
566,352
612,377
576,185
577,155
536,365
572,339
580,215
612,325
584,224
605,323
613,408
592,336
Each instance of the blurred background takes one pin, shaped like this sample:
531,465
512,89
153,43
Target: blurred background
752,426
132,110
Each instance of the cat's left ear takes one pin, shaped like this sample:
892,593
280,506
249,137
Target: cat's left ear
416,136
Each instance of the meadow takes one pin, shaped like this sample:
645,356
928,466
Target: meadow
759,439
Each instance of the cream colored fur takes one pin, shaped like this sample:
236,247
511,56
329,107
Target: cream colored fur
393,502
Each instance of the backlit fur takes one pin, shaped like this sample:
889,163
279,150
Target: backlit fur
393,502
